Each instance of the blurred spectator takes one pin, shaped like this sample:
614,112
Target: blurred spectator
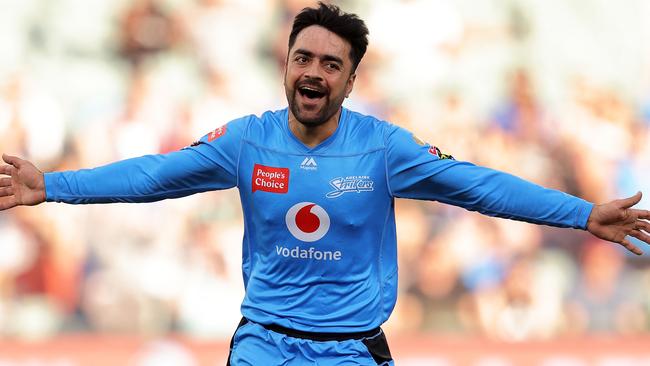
598,117
602,301
135,133
146,29
214,107
12,134
521,114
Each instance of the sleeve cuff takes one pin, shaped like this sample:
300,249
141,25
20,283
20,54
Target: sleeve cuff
583,214
50,186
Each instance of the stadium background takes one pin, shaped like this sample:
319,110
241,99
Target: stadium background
555,91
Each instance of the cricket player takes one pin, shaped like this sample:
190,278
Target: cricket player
318,184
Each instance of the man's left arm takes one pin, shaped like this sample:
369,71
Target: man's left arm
420,171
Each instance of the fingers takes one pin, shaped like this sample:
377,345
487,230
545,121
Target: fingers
5,187
7,158
7,202
12,160
641,236
630,201
7,198
6,169
642,225
6,191
641,214
631,247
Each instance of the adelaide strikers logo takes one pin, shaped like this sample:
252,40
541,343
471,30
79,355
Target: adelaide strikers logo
307,221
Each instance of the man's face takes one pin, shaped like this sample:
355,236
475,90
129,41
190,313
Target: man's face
318,75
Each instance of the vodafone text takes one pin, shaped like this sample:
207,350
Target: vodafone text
311,253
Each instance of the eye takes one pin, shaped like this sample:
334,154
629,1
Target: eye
301,59
332,66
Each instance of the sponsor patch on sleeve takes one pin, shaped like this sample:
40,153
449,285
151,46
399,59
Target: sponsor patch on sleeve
218,132
435,151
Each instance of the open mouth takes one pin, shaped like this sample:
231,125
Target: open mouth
310,92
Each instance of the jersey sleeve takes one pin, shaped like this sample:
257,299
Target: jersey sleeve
208,164
420,171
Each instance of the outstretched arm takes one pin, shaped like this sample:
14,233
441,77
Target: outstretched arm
209,164
615,220
21,183
146,178
419,171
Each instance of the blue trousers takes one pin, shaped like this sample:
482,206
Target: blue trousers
254,345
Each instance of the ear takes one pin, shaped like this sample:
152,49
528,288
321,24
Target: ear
350,84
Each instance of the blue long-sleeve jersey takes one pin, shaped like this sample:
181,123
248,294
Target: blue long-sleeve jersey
319,246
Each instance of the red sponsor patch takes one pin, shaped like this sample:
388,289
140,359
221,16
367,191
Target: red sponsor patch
218,132
270,179
435,151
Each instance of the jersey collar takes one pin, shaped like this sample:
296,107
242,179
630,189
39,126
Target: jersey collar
323,145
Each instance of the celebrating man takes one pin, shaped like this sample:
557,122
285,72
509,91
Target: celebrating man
317,184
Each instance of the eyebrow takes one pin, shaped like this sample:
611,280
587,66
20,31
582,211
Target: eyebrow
324,58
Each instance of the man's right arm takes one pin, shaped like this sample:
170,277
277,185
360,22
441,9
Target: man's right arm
144,179
209,164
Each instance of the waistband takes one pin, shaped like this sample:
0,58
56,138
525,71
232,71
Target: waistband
317,336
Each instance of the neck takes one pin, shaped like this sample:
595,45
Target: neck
312,136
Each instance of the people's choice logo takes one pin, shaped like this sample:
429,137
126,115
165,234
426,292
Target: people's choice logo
270,179
307,221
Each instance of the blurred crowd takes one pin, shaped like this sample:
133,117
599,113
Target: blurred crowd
555,92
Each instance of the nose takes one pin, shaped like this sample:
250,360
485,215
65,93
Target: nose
313,71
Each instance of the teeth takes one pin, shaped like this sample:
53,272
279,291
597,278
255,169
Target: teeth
311,92
310,87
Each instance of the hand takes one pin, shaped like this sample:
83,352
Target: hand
615,220
24,186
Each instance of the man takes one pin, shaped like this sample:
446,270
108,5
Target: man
317,185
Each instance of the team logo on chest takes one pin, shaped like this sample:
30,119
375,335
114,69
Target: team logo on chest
354,183
307,221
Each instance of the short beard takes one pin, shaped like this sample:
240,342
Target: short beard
325,114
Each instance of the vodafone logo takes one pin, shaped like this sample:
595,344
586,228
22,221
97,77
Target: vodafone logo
307,221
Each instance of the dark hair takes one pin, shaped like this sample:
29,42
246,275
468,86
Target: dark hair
347,26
